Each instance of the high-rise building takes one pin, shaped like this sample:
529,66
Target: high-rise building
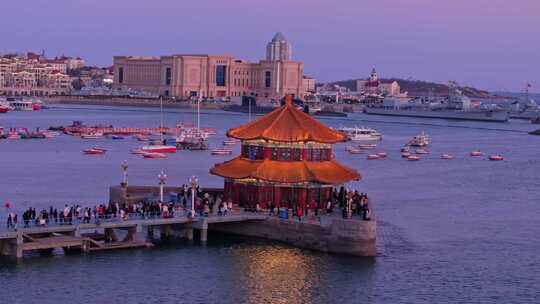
278,48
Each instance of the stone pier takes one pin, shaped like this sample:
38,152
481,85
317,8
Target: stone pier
328,233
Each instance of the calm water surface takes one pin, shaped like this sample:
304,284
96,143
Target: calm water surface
460,231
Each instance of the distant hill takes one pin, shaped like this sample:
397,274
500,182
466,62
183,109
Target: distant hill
422,88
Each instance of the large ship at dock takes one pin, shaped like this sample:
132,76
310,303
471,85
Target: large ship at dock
456,107
525,108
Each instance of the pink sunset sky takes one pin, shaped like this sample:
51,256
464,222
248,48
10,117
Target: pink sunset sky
490,44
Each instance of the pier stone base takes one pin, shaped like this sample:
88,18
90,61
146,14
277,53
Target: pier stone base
351,237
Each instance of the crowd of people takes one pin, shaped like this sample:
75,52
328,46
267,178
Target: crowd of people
204,205
351,203
70,214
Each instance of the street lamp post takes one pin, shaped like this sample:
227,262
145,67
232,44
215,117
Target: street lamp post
193,181
124,167
162,179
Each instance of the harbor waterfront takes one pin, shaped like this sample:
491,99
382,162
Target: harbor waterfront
436,219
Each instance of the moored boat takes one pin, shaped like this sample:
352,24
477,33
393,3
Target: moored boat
421,151
154,155
159,149
373,157
221,151
13,135
476,153
94,151
92,135
361,134
413,158
496,157
420,140
367,146
353,150
447,156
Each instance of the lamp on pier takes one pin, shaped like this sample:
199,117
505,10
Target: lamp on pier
162,180
193,181
124,167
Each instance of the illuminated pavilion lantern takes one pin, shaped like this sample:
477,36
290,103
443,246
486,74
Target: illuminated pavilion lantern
286,159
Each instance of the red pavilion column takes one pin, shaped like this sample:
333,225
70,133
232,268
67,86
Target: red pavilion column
302,195
277,196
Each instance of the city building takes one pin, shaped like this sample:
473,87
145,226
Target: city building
373,86
213,76
278,48
286,160
74,63
33,75
309,85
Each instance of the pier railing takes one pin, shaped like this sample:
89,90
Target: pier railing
319,219
76,220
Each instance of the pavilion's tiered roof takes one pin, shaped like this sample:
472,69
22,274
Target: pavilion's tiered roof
287,124
325,172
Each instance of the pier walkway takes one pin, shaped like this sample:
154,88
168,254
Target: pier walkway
103,233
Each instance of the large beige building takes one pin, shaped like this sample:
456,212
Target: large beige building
185,76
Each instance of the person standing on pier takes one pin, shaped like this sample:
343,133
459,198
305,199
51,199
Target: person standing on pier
230,206
9,221
329,206
299,212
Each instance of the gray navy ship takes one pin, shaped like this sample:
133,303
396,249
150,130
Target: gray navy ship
525,108
457,107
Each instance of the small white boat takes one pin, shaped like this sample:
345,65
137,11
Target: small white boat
476,153
447,156
353,150
367,146
373,157
154,155
361,134
496,157
92,135
382,154
221,151
420,140
413,158
405,154
229,142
